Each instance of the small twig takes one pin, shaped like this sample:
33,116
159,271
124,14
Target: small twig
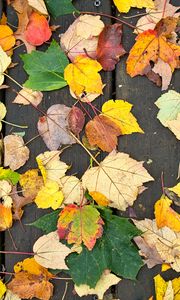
15,125
11,237
65,291
17,253
162,183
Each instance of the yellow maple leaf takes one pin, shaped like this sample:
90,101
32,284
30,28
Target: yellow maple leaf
82,75
2,289
49,196
165,267
167,290
119,112
31,266
165,215
7,39
125,5
31,183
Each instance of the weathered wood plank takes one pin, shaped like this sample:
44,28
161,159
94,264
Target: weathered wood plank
73,156
157,144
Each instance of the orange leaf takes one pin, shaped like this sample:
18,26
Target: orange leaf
103,132
165,215
38,30
80,224
5,217
7,39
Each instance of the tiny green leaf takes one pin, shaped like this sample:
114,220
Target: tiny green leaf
8,174
47,223
57,9
45,69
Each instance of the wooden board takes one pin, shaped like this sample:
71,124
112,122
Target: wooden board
157,144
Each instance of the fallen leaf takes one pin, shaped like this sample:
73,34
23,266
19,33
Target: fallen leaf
164,70
165,267
2,289
31,280
18,203
8,174
28,96
107,279
85,97
76,120
5,217
174,194
10,296
45,73
50,252
76,41
31,183
5,61
118,177
174,126
38,30
165,215
82,75
5,190
72,190
49,196
164,240
7,39
99,198
110,48
119,111
57,10
80,225
155,14
15,152
54,127
38,5
48,222
3,112
166,290
102,132
125,5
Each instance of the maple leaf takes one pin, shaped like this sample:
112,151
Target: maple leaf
110,49
168,115
118,177
72,190
54,127
164,240
82,75
165,215
76,39
9,175
125,5
102,132
2,289
57,10
38,30
107,279
76,120
3,112
50,253
38,5
48,222
51,167
45,73
28,96
15,152
31,280
7,39
115,253
49,195
5,61
119,111
166,290
80,225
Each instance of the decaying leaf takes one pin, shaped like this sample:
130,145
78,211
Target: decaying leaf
72,190
80,225
31,183
164,240
125,5
119,111
168,115
28,96
166,290
3,112
77,41
110,49
31,280
165,215
83,75
102,132
54,127
50,252
118,177
49,195
5,61
51,167
107,279
7,39
37,30
15,152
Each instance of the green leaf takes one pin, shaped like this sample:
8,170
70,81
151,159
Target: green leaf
58,9
8,174
45,69
48,222
113,251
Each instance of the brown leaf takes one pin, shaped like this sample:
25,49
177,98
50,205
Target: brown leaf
18,203
109,48
76,120
103,132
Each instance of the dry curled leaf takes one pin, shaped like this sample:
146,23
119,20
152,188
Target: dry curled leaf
15,152
28,96
118,177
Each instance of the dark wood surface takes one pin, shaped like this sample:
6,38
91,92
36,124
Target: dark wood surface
157,144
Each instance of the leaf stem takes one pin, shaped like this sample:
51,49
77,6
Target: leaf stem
17,253
15,125
56,278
